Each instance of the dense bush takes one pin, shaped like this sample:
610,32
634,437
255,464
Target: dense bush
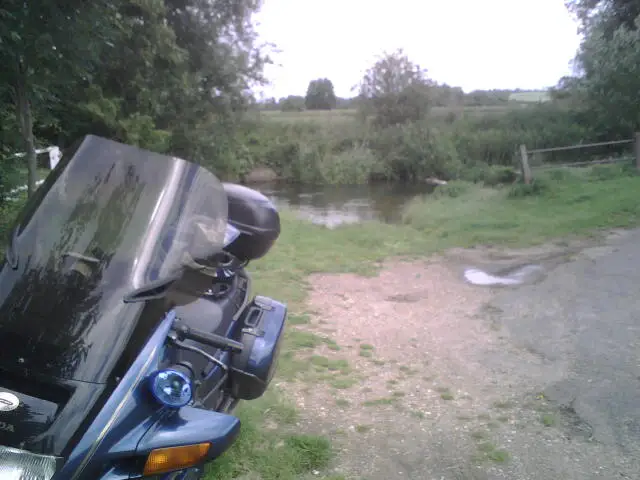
535,188
480,147
452,189
9,174
489,175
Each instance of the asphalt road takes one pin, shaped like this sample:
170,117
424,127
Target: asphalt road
585,318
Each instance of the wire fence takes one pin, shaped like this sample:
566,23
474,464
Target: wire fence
527,166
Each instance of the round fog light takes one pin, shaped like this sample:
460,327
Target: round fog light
171,388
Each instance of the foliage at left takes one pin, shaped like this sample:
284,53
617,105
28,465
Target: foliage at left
167,75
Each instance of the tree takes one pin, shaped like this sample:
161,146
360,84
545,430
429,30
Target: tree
173,75
607,15
320,95
292,103
447,96
224,63
395,90
46,46
135,95
611,76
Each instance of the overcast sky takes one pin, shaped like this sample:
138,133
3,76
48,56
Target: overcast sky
469,43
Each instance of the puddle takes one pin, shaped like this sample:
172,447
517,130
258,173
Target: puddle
526,274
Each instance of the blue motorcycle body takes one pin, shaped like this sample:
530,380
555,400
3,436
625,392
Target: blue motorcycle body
127,330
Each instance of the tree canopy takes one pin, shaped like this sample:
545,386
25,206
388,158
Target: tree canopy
169,75
607,82
320,95
395,90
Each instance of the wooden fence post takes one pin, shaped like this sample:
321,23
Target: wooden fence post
637,150
524,160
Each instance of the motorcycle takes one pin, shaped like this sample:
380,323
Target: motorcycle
127,331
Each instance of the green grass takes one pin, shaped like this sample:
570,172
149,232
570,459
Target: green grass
271,454
346,116
445,394
363,428
343,383
488,451
530,97
302,319
479,435
407,370
503,404
548,420
297,339
41,173
577,205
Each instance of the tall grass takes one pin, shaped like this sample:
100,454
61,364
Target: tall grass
336,147
560,202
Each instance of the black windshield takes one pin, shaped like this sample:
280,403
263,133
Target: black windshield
110,219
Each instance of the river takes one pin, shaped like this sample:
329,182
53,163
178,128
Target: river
332,206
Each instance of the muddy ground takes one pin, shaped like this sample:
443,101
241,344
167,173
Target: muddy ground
454,381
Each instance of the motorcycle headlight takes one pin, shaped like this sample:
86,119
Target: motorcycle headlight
19,465
171,387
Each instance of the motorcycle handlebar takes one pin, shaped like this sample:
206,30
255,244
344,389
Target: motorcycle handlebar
211,339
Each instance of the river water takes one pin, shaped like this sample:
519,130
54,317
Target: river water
332,206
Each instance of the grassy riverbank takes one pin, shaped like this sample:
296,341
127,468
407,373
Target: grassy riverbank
338,147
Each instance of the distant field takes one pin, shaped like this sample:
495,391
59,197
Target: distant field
530,97
325,116
349,115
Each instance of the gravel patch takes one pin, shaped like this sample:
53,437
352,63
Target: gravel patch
440,390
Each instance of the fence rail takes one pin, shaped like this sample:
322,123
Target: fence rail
581,145
527,169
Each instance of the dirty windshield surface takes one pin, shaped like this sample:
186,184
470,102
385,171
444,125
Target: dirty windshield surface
110,219
111,204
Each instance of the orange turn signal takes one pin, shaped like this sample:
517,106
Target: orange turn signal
163,460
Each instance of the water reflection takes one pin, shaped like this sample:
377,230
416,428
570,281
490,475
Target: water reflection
332,206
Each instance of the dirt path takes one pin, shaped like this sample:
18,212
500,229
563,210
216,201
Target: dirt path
437,387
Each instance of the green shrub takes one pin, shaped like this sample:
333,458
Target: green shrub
564,174
489,175
9,174
352,167
477,146
414,152
500,175
453,189
606,172
630,169
494,138
535,188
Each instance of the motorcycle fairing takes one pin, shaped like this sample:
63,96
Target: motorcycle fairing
131,424
109,220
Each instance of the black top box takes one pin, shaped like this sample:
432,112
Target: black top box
257,219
